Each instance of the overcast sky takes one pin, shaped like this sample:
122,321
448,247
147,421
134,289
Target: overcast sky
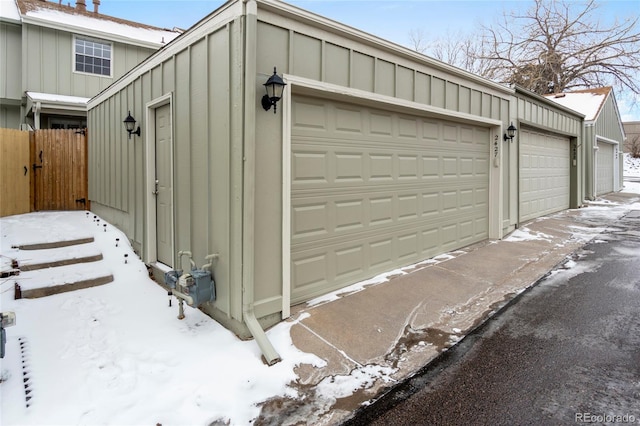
391,20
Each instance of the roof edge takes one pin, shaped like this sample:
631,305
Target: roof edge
359,35
89,32
224,13
527,92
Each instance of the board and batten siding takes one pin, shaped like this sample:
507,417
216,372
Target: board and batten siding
224,141
323,54
10,59
609,125
203,81
325,57
48,64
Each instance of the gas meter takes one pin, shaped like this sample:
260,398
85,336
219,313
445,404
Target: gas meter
195,287
7,319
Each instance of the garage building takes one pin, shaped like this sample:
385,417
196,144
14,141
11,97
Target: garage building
376,157
603,136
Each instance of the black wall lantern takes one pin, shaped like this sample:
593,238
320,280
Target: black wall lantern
511,133
275,87
130,124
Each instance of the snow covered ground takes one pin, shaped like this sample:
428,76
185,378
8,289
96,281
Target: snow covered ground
117,354
632,170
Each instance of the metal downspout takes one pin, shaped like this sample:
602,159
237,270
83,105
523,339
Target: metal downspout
248,314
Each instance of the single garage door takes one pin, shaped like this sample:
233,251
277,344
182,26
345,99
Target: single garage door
372,190
544,174
604,174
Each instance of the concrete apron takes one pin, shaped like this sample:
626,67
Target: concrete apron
408,321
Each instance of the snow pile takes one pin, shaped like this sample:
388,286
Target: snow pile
631,166
631,170
525,234
117,354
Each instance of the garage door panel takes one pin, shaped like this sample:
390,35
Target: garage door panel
319,269
309,167
604,168
349,261
408,128
310,115
544,182
326,214
349,167
309,220
375,190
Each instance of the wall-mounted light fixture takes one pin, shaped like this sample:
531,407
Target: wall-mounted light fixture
511,133
130,124
275,87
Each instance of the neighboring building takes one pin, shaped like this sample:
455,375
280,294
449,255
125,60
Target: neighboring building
632,131
54,57
603,137
377,157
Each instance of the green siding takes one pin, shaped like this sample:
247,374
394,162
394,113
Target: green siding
609,124
10,60
47,63
199,77
213,137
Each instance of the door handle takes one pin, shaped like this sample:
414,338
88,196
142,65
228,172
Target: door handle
155,191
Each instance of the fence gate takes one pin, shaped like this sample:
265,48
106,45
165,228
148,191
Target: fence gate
15,176
59,165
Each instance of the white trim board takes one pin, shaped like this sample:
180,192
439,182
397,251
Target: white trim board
151,254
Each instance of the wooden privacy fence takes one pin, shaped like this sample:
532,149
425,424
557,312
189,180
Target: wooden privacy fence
15,172
55,172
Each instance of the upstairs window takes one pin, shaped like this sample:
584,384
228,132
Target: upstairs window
92,56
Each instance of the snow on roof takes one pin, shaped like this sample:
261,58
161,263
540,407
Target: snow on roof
9,10
60,16
53,98
588,101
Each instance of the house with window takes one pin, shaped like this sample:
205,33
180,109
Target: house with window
54,57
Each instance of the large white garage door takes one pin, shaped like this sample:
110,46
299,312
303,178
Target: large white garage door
544,174
372,190
604,174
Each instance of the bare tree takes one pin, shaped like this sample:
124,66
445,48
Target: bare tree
462,50
557,46
418,40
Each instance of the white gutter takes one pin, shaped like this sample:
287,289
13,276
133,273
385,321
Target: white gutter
248,277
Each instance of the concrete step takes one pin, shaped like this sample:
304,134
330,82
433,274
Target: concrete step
50,268
61,262
37,292
54,244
